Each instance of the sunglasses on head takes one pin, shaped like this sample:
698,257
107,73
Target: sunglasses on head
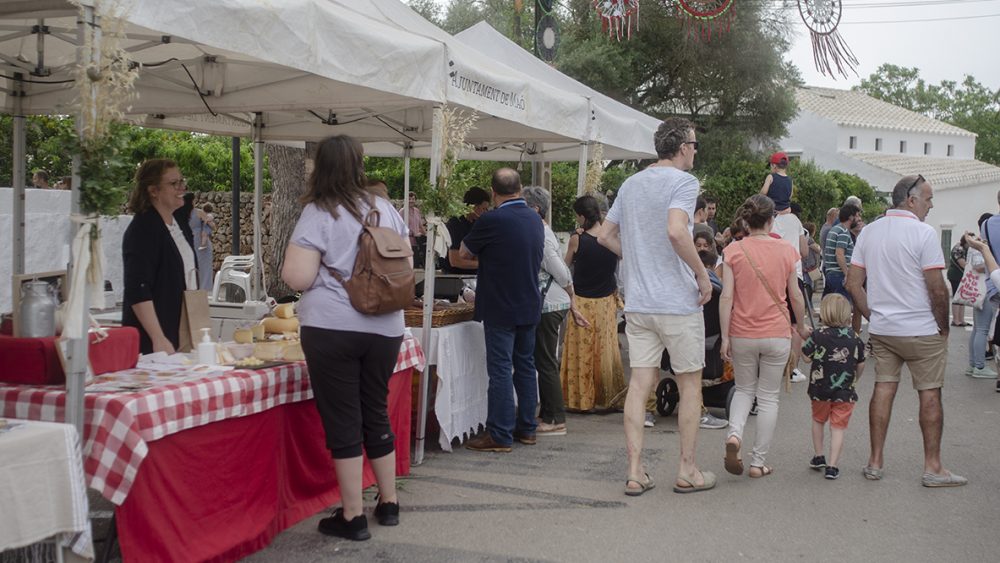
915,183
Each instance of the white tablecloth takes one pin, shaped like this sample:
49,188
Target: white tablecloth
42,489
459,352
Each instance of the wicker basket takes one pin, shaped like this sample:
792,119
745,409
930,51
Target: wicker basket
443,317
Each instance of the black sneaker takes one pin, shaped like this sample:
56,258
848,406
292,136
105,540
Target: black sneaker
832,472
998,386
336,525
817,462
387,513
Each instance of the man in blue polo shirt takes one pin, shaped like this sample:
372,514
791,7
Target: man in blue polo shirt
508,243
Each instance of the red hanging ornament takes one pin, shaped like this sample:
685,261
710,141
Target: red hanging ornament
617,17
703,17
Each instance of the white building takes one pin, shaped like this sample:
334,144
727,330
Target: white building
855,133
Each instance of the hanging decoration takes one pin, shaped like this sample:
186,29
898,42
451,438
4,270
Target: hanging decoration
546,31
702,18
829,49
617,17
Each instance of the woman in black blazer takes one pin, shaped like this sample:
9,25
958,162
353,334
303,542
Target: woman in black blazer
158,257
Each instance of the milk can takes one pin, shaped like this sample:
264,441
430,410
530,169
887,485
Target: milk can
38,311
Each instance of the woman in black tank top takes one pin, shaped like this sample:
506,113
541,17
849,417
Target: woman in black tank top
591,369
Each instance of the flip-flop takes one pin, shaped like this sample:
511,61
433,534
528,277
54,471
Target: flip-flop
643,487
734,463
764,471
689,486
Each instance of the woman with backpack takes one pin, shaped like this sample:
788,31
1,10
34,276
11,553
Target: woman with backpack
350,355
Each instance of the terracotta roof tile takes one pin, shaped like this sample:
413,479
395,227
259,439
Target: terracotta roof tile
857,109
942,173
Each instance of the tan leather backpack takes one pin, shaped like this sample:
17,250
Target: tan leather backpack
382,280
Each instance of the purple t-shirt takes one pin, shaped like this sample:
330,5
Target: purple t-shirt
326,304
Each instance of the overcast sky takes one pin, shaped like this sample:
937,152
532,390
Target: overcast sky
942,50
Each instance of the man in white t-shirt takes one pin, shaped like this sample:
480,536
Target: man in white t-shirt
649,226
907,306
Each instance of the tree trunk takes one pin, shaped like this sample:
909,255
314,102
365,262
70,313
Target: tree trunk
288,181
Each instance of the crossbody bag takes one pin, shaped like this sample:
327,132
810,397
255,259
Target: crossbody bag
781,307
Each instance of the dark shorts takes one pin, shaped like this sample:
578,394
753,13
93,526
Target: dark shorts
788,302
954,285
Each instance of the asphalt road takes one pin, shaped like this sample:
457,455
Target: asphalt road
562,500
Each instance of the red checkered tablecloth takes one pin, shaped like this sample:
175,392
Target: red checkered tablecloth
117,426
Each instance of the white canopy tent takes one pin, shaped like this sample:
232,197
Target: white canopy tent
321,68
194,65
626,133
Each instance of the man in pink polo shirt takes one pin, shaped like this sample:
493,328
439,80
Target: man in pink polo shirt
907,306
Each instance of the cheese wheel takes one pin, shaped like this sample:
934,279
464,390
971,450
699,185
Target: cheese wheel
258,331
273,325
267,350
243,335
284,311
293,351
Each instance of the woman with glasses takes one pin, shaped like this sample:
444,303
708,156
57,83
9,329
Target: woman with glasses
158,257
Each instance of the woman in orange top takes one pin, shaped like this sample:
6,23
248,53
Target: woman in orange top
758,273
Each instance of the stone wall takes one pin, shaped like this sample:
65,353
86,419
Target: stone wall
222,237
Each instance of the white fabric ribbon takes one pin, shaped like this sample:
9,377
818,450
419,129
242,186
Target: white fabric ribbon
87,275
442,239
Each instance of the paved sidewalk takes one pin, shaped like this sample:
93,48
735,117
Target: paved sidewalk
562,500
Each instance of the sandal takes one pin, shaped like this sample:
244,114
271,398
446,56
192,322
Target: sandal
733,461
764,471
643,487
688,485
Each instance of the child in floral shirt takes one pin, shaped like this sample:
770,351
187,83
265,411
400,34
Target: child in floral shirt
838,359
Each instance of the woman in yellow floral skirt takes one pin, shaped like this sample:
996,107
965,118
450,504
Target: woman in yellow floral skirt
591,369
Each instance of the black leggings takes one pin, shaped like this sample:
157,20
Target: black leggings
350,372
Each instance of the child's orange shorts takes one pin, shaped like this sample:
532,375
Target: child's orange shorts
838,413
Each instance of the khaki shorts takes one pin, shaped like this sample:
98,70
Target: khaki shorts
925,356
681,335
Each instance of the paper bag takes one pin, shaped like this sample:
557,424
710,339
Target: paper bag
194,317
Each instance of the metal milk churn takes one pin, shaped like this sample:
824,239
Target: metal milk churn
38,311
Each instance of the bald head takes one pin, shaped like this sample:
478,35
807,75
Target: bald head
506,182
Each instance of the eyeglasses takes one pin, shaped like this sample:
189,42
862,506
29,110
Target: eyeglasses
178,184
914,184
692,143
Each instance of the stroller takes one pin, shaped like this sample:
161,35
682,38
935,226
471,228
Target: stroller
716,392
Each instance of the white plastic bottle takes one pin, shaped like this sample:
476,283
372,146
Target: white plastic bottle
206,349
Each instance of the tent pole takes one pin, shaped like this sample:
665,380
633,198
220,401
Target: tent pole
406,182
426,341
581,172
18,177
256,281
236,197
78,347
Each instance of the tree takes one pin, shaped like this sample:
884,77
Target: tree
816,190
736,87
288,165
969,104
501,14
205,160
